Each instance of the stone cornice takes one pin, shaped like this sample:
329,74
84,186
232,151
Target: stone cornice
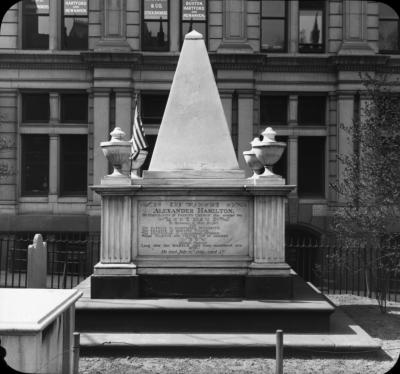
167,62
41,61
360,63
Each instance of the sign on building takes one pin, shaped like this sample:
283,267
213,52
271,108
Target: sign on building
155,9
37,6
75,8
194,10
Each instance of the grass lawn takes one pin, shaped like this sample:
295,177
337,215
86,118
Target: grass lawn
363,311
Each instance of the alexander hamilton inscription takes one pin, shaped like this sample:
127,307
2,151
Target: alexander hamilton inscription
193,227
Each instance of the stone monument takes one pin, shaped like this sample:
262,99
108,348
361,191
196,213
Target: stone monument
193,225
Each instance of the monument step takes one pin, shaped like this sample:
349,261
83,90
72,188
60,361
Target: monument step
307,311
344,335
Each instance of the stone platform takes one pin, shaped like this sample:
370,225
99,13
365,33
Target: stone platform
309,321
306,311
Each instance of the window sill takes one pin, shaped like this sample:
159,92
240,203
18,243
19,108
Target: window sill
312,200
34,199
72,199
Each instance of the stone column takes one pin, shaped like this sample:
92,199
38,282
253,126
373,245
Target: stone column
123,110
55,25
54,150
345,107
355,36
54,98
54,155
269,236
174,26
293,204
293,22
292,110
245,126
101,133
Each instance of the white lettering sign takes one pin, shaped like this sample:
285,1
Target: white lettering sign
75,7
193,10
155,9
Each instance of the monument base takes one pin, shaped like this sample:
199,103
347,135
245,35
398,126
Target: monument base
191,286
114,287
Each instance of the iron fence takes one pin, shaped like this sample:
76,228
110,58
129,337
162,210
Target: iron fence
334,269
72,256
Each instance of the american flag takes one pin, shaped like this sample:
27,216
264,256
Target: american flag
138,138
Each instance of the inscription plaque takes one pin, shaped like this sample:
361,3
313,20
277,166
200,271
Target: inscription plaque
193,227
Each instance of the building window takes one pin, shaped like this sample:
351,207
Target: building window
34,165
311,110
155,25
194,17
280,168
388,29
273,110
73,165
311,166
75,25
74,108
152,108
311,26
273,25
35,107
35,24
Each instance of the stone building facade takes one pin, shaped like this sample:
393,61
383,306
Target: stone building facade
71,70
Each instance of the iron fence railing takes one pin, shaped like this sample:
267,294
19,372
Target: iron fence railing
334,269
72,256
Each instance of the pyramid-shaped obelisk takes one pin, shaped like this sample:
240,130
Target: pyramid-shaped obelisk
194,134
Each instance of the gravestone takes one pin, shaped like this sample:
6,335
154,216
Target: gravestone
37,263
193,225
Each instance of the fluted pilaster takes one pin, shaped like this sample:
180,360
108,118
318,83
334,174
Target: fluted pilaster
116,229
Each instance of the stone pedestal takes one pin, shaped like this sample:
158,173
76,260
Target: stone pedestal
211,232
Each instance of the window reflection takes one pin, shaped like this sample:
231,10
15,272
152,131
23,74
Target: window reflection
35,24
273,25
75,26
273,35
388,29
311,26
155,36
155,33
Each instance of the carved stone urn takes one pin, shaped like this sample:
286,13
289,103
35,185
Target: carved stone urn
254,163
137,163
265,152
117,151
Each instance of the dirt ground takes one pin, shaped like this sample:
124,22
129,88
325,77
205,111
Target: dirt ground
363,311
